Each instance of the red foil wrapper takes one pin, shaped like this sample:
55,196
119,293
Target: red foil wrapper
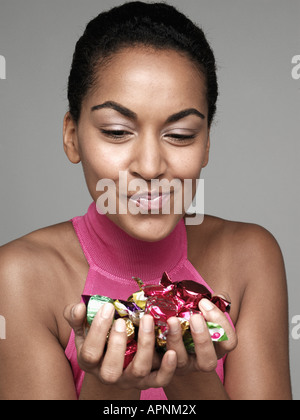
129,353
161,309
188,293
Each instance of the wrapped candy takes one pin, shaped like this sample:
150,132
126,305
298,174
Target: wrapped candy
167,299
94,303
129,353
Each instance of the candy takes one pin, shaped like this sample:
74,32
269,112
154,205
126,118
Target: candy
139,299
167,299
130,330
94,303
128,309
129,353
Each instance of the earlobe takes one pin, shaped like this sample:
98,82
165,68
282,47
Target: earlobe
70,139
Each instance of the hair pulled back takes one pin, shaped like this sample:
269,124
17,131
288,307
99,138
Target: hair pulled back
156,25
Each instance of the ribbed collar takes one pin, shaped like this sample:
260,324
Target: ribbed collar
121,255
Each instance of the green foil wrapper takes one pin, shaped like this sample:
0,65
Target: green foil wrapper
217,333
94,304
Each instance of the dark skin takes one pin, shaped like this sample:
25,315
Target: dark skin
45,271
265,373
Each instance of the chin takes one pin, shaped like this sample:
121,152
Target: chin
150,228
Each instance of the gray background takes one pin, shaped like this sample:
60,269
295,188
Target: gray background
253,174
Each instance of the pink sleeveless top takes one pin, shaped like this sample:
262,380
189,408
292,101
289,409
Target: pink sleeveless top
114,258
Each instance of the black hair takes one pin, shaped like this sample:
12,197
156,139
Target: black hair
157,25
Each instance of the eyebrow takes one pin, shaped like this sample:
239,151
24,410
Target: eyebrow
117,107
185,113
133,116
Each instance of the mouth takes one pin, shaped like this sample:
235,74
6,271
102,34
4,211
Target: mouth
150,201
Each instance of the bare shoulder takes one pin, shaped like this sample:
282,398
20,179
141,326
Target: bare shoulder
234,257
231,234
240,245
39,267
45,249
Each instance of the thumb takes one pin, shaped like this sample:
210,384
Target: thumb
75,315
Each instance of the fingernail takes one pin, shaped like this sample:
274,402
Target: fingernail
147,323
120,325
206,304
107,310
197,323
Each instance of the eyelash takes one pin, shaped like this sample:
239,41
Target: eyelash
121,134
115,134
182,137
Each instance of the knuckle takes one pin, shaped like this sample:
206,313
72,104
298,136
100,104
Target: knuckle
163,382
109,375
140,371
182,363
174,342
209,366
88,357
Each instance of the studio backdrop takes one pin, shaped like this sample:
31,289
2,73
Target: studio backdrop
254,172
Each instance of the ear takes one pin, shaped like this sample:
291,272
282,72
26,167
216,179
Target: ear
70,139
206,156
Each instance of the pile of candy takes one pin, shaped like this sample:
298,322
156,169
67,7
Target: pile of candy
180,299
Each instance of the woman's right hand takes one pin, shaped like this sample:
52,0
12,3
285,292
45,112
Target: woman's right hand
146,369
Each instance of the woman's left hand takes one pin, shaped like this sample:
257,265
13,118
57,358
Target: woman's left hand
207,352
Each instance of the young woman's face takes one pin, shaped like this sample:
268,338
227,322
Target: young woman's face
144,121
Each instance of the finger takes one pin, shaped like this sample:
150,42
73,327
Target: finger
164,375
113,361
175,342
75,315
91,351
141,364
206,358
213,314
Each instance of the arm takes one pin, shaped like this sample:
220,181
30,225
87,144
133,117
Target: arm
33,364
258,368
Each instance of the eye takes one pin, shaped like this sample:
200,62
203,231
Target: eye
180,138
116,134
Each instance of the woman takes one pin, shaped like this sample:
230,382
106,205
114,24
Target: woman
142,95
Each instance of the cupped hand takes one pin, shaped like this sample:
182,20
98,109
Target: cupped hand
106,363
207,352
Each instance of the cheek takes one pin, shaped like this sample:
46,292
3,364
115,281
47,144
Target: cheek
188,164
101,162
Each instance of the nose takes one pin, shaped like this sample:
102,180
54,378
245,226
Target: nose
149,157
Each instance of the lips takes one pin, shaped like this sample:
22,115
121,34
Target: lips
150,200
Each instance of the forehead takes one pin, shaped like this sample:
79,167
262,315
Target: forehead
142,75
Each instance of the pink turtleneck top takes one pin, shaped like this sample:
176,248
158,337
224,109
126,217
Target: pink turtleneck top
114,258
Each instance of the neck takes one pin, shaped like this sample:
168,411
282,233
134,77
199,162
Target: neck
124,256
